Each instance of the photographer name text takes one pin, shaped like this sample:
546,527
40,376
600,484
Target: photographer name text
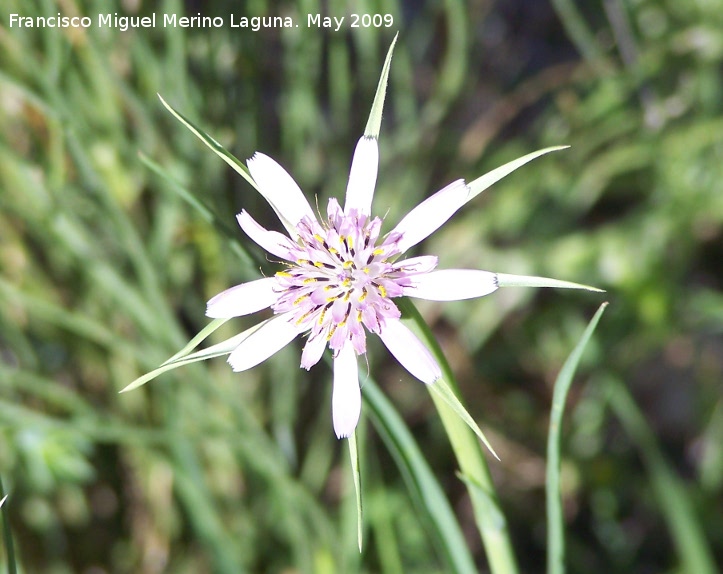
254,23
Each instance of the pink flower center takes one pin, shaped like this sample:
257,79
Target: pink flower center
341,279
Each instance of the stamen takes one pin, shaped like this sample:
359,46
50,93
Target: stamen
300,299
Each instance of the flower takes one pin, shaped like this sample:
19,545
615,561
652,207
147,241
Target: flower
340,278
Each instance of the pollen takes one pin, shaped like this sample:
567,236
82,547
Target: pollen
284,274
300,299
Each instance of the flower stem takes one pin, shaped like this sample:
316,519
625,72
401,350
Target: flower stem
490,520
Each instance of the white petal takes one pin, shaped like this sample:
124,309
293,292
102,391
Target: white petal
313,350
362,176
451,284
346,395
410,351
429,215
271,337
242,299
280,190
272,241
414,265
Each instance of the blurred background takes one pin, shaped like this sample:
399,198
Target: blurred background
106,267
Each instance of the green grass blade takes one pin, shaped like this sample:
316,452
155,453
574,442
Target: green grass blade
423,486
356,474
489,518
7,535
673,500
555,525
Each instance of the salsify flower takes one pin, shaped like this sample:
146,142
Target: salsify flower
341,275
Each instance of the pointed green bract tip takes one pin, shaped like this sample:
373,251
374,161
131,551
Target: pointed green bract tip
374,123
506,280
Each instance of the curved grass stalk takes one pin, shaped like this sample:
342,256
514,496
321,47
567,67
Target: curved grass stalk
555,524
475,473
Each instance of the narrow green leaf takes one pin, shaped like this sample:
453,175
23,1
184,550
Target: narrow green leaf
674,502
442,389
555,526
470,457
492,177
218,350
196,341
356,474
374,123
7,535
506,280
220,151
426,492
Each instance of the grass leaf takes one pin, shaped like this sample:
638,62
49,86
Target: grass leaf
555,526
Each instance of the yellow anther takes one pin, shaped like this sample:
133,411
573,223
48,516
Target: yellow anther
346,282
328,287
318,264
348,264
301,319
382,291
378,251
319,238
331,333
309,280
359,317
363,295
303,262
366,270
346,297
300,299
283,274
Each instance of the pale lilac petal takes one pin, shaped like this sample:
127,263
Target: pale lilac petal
410,351
451,284
271,337
346,395
243,299
362,176
313,350
281,191
272,241
414,265
429,215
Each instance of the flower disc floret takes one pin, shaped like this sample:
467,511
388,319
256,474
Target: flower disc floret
342,279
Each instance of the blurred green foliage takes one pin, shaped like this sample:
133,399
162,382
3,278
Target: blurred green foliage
106,270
